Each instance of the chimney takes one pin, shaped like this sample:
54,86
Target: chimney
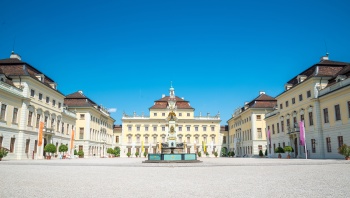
183,98
80,91
261,92
163,95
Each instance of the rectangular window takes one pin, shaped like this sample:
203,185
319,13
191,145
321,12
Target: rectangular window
3,111
301,97
52,123
163,128
281,106
325,115
14,116
337,112
340,141
58,126
1,141
138,128
258,117
27,146
308,94
62,128
82,116
204,128
283,144
329,147
295,123
302,117
212,128
35,145
40,96
287,104
129,128
293,100
273,129
188,128
30,115
313,145
278,127
32,92
146,140
53,102
188,114
259,133
288,123
81,133
180,114
67,129
180,128
282,126
12,145
311,119
154,128
224,140
146,128
47,99
155,114
163,114
349,108
37,120
59,105
196,128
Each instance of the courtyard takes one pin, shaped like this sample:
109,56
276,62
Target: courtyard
214,177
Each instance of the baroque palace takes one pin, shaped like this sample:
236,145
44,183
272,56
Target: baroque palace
198,133
319,96
29,97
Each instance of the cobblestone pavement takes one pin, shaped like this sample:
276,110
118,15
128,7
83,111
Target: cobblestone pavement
214,177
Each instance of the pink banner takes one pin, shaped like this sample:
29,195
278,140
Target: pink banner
302,133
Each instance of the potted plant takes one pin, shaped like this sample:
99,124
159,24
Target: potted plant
110,151
288,149
261,153
145,154
3,152
216,154
232,154
81,154
63,148
128,154
344,150
117,151
279,150
207,154
50,148
137,154
199,154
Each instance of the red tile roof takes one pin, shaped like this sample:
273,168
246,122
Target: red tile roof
78,99
163,103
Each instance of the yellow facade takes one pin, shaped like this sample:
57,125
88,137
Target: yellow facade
247,135
151,130
306,99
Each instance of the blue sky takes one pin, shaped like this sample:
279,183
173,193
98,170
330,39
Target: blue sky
219,54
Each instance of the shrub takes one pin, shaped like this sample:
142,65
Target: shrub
110,151
117,151
128,154
216,153
145,154
63,148
199,154
261,153
3,152
81,153
50,148
137,154
279,150
288,149
344,150
75,152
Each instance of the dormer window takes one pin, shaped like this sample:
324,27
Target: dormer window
301,78
53,85
340,78
287,86
40,77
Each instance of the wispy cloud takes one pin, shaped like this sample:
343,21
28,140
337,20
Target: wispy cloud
112,110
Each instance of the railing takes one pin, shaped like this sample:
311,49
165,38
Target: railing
207,117
294,129
335,87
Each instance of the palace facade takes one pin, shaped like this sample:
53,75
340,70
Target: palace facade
247,135
28,97
320,96
195,132
94,125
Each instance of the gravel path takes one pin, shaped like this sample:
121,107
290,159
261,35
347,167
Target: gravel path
214,177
